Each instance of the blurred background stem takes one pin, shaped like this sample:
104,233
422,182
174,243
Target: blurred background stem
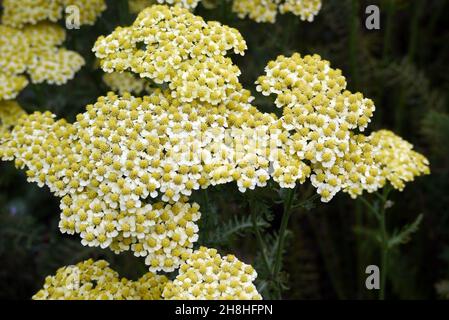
384,239
353,42
400,118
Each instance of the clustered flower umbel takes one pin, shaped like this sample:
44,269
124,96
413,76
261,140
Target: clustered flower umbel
321,117
173,46
34,50
10,112
100,167
95,280
266,10
206,275
135,6
19,13
203,275
122,82
257,10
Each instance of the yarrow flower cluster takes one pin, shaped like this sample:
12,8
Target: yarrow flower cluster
14,57
135,6
19,13
267,10
399,162
10,112
171,45
95,280
105,181
257,10
206,275
126,82
319,110
34,50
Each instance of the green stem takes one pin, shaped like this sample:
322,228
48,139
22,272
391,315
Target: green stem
283,230
414,30
282,235
260,241
384,244
359,224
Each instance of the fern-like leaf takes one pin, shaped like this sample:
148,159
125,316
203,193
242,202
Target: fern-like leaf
404,235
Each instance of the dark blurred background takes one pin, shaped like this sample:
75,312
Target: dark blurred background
403,67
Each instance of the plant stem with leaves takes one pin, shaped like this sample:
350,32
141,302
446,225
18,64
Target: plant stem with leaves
256,230
384,241
387,241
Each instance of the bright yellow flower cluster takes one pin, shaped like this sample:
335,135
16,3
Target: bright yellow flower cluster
353,172
34,50
203,275
171,45
89,280
206,275
305,9
14,57
399,162
320,112
102,175
122,82
266,10
370,163
10,112
19,13
160,232
135,6
188,4
89,10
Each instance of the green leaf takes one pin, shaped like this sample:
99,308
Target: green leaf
404,235
236,226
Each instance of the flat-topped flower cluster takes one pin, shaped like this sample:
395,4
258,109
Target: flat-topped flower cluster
267,10
204,276
19,13
258,10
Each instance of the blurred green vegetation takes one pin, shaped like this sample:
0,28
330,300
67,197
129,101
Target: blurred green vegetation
403,67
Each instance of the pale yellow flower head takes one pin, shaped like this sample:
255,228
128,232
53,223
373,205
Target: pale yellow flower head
122,82
95,280
267,10
19,13
34,50
89,10
399,162
171,45
318,111
206,275
10,112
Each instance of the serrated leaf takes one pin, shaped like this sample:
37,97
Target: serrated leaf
404,235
